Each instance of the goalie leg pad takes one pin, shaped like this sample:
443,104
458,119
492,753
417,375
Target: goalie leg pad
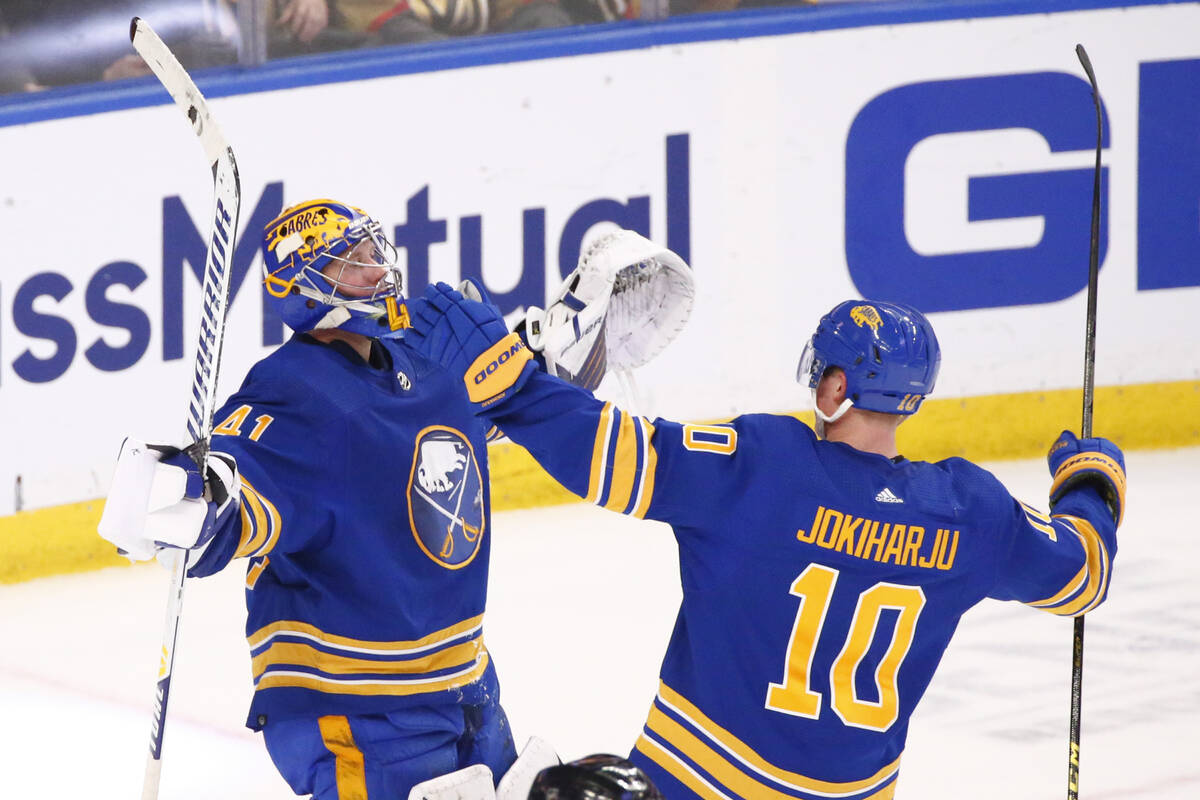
472,783
536,755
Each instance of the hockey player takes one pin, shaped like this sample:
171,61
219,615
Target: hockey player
352,476
823,573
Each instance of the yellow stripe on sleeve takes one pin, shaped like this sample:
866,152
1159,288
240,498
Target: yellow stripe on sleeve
1040,521
1097,565
255,572
599,453
350,772
1090,583
624,465
255,533
274,526
650,459
1071,588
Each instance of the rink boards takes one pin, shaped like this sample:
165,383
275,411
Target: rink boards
795,157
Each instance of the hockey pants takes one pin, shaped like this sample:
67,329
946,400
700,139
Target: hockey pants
381,757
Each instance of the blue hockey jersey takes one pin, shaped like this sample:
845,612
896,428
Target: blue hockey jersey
364,516
821,584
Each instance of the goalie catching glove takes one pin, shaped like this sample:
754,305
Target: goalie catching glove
158,499
621,305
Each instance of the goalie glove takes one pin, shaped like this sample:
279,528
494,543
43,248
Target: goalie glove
158,499
625,301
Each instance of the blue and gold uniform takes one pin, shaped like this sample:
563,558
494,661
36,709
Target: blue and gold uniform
364,519
821,584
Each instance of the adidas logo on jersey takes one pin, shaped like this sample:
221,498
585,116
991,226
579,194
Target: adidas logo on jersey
886,496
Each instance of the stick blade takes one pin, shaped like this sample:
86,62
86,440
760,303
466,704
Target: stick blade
175,79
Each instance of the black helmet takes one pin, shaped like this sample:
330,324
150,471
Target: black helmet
598,777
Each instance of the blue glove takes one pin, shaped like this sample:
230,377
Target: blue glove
469,338
1097,462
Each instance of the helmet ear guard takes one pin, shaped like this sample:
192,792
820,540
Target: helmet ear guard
297,248
888,352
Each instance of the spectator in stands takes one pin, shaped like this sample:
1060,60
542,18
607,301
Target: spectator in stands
61,42
15,74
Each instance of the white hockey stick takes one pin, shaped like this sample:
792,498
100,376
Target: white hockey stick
226,202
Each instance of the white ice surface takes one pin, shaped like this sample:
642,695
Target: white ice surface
580,608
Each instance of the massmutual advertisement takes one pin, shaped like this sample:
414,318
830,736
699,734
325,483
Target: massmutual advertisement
946,163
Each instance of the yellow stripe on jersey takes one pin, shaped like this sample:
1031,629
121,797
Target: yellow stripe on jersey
649,464
624,466
1088,586
732,776
682,772
1097,566
255,572
349,770
276,523
254,523
1090,460
623,487
600,453
261,523
1040,521
306,631
397,687
291,654
721,766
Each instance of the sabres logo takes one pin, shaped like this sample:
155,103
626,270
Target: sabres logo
868,316
445,497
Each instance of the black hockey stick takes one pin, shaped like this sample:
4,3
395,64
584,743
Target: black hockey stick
226,202
1089,390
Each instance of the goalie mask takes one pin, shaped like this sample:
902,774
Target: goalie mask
328,265
888,352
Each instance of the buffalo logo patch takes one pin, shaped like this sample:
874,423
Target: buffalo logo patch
445,497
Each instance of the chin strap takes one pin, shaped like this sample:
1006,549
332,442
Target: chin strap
842,409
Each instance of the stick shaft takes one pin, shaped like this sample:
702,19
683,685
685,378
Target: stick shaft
1089,388
215,305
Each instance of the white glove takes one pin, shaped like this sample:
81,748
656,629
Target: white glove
471,783
623,303
157,499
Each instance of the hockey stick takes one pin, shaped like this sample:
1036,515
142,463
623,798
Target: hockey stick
226,202
1089,389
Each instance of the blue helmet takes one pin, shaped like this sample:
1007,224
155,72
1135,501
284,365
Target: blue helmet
311,253
888,351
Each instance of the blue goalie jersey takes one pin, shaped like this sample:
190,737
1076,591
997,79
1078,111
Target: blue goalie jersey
821,584
365,527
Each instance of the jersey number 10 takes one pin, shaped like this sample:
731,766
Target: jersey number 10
794,696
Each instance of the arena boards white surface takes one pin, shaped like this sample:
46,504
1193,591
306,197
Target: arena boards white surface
581,604
769,158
